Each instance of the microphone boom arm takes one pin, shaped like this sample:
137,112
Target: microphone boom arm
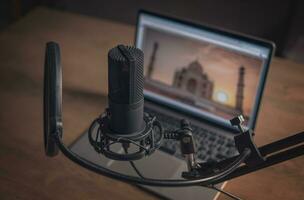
260,158
278,151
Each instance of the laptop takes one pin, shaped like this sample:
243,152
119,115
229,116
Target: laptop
200,73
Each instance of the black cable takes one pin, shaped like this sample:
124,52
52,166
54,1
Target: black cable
148,181
136,170
156,123
133,165
232,196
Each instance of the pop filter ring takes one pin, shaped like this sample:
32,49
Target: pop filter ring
52,97
56,133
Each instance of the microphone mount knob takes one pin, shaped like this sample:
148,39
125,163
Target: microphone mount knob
238,121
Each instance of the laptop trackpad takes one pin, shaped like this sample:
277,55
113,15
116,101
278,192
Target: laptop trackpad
163,166
158,165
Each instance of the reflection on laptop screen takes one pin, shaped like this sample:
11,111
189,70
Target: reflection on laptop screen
200,70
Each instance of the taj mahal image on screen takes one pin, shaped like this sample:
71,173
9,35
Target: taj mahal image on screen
192,85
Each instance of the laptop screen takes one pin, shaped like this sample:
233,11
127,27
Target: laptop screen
205,72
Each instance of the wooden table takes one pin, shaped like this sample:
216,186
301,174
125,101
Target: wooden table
25,172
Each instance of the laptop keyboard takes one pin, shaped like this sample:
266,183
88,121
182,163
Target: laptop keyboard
210,146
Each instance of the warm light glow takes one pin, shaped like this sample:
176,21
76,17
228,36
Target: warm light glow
222,97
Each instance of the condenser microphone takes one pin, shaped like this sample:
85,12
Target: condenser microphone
125,87
124,122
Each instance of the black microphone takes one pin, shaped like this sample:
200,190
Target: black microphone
125,122
125,86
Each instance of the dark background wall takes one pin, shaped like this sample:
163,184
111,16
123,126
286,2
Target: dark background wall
279,21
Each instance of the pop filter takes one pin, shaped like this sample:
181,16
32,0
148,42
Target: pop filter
52,101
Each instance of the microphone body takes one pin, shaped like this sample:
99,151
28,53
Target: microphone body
125,86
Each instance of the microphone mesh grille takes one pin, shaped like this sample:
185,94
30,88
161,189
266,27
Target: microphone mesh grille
126,81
